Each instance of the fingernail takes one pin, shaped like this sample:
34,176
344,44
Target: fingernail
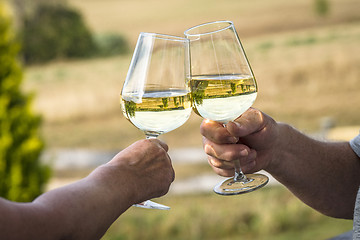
244,153
252,155
237,124
233,139
208,149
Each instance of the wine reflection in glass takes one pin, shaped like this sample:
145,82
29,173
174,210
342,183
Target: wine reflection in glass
156,96
223,87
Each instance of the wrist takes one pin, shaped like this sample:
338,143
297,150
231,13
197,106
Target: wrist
280,147
117,184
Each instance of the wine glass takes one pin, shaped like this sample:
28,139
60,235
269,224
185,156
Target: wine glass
223,87
156,95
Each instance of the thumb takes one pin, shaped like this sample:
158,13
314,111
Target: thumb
160,143
249,122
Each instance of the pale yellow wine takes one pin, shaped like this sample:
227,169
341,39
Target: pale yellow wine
222,98
157,112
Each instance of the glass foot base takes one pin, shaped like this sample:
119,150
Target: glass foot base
152,205
231,187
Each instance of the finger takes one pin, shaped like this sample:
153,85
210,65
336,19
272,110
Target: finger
251,121
160,143
247,164
172,174
228,152
166,148
217,163
223,172
216,132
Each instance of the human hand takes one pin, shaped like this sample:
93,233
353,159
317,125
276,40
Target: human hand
148,168
250,139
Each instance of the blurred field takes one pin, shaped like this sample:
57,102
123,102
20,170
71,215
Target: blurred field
252,18
303,75
307,68
270,214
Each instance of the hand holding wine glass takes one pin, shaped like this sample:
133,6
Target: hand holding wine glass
223,87
156,96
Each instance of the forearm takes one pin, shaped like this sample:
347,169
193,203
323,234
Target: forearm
324,175
82,210
85,209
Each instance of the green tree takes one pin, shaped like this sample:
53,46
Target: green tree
56,31
22,177
52,29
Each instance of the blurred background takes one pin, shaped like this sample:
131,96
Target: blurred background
75,55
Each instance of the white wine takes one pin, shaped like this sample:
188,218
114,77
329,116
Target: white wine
157,112
222,98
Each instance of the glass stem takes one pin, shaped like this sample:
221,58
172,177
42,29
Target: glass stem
151,136
239,175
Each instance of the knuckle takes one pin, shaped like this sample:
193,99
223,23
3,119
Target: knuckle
209,150
214,162
219,136
231,155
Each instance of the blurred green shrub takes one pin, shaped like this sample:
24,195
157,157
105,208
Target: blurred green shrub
22,177
111,44
55,31
321,7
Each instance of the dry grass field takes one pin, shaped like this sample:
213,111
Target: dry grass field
252,18
307,67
